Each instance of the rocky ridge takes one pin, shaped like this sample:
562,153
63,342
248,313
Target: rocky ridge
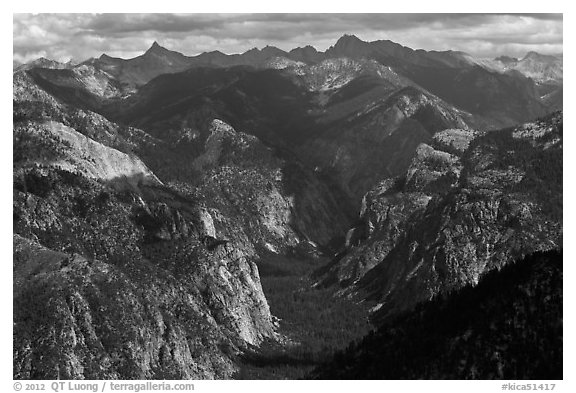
200,243
86,333
469,203
302,137
42,62
53,144
541,68
279,202
190,290
209,289
508,326
380,141
318,110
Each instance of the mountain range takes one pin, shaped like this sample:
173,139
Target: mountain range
158,60
544,70
167,209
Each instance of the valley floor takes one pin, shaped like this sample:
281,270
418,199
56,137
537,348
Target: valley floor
313,322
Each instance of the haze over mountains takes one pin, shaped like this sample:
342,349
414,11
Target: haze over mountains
455,91
158,60
167,208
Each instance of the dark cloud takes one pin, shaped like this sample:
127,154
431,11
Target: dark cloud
117,23
80,36
130,23
558,17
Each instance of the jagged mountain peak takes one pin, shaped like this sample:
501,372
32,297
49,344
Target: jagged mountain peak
106,57
349,46
438,169
307,48
346,38
307,54
348,41
532,54
268,49
538,56
294,153
391,43
43,62
534,65
157,49
215,52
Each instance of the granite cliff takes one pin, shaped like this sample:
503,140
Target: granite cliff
469,203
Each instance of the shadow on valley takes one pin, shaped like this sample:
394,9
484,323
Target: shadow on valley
507,327
314,323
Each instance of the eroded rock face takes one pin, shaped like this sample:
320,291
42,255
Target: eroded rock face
34,103
199,246
84,77
541,68
261,198
42,62
190,297
53,144
84,319
175,286
335,73
430,166
386,210
454,140
470,203
384,220
224,145
380,141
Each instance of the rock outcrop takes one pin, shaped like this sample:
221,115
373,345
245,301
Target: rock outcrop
335,73
42,62
139,281
380,141
84,79
473,333
56,145
455,215
276,203
34,103
145,190
196,304
76,318
541,68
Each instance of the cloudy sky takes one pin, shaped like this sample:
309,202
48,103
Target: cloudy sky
80,36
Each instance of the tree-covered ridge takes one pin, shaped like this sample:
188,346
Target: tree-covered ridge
534,150
507,327
470,202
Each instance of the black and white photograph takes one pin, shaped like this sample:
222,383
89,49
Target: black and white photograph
287,196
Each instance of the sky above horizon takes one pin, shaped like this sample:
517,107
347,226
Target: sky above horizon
80,36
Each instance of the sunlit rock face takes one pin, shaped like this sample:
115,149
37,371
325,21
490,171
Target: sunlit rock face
469,203
145,191
135,280
86,319
63,147
276,203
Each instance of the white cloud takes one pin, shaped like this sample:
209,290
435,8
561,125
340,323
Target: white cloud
62,36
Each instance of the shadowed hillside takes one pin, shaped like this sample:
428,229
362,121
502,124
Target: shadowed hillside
507,327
